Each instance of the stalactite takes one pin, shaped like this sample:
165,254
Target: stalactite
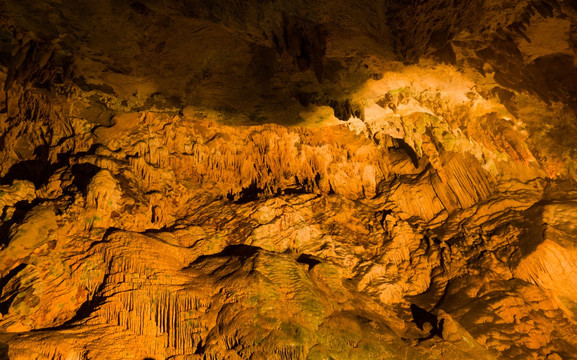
399,186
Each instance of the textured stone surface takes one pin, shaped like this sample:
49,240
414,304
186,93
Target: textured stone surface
285,180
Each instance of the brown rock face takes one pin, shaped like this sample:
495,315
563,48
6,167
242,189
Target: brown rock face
288,180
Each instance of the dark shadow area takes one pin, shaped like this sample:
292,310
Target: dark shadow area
383,217
156,214
446,55
33,170
6,47
80,81
308,260
141,9
4,352
302,187
253,192
421,317
441,325
148,358
293,191
21,209
5,305
401,144
201,347
152,232
240,250
532,234
83,173
344,110
247,194
37,170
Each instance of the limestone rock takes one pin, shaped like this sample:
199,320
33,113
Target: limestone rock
288,179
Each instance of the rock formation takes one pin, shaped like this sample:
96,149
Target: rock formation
288,180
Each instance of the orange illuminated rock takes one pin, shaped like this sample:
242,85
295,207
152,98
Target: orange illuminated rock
288,180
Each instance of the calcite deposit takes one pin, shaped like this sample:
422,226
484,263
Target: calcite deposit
288,180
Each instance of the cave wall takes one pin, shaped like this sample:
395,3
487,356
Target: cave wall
286,180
